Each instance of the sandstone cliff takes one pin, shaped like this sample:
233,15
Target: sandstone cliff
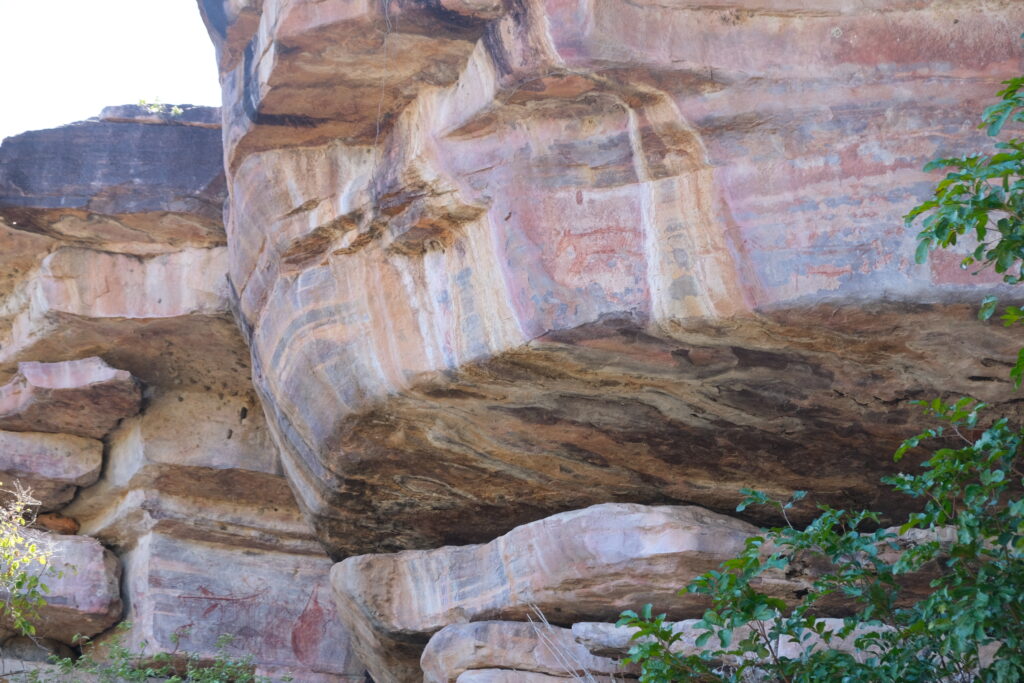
449,273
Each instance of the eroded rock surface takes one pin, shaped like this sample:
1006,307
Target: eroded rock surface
534,258
277,606
513,647
490,262
574,564
85,590
145,314
84,397
191,496
212,539
198,466
116,184
50,466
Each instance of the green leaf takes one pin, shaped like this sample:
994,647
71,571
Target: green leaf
921,255
988,307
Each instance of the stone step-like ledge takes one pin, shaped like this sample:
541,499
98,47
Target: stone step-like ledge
84,397
51,466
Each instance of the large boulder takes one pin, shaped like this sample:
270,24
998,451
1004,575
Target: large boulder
501,262
576,566
84,596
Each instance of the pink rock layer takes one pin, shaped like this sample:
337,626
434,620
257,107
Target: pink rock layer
574,564
51,466
84,596
83,397
468,242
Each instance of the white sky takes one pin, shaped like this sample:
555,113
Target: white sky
64,60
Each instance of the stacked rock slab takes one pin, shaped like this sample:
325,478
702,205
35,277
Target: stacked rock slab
487,606
484,263
124,286
444,612
510,649
501,261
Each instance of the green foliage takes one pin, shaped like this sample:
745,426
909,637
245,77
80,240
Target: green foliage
983,197
966,544
158,107
24,561
118,663
971,491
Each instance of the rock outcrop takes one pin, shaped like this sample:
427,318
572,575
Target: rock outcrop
84,397
51,466
500,262
120,327
120,185
84,596
512,648
483,299
572,567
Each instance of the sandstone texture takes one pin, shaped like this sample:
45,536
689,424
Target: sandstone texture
511,647
498,262
148,315
84,596
277,606
488,606
498,305
50,466
566,567
116,323
115,184
85,397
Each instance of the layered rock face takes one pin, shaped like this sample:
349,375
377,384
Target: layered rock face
128,404
554,280
500,261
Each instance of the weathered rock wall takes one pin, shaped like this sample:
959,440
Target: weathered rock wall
452,272
496,262
129,406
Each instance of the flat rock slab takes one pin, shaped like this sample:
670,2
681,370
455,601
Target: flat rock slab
521,647
83,397
569,565
86,598
124,185
51,466
277,606
165,318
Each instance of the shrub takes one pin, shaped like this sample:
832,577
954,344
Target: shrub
970,624
971,489
24,560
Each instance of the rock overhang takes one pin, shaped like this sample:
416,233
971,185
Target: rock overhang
598,261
